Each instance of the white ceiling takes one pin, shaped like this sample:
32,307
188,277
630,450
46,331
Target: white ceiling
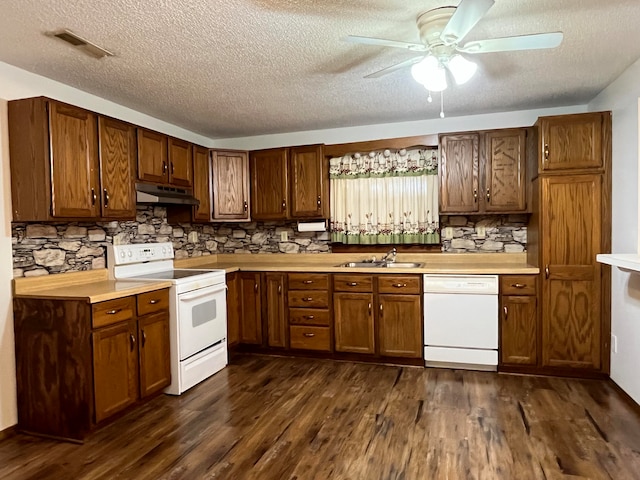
227,68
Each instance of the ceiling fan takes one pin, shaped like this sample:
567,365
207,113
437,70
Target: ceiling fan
441,31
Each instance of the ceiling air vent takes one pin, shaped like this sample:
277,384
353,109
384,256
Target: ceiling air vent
85,45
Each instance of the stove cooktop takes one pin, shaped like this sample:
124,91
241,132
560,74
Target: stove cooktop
175,274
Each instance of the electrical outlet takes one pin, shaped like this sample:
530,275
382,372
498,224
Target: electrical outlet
448,233
284,236
614,343
481,231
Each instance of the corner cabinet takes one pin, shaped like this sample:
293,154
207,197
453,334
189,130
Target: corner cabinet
289,183
116,351
68,163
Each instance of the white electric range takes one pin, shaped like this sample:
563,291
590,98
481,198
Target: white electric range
198,309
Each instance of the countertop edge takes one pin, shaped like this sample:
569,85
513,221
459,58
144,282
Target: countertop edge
106,290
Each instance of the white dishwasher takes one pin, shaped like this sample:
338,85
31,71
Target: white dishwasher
461,321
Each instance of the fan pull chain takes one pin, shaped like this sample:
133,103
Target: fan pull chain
442,104
429,98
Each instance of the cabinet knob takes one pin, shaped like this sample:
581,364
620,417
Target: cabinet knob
546,271
132,341
518,285
307,299
279,289
246,206
113,312
284,205
546,151
308,282
399,285
506,312
488,194
319,201
380,309
255,287
309,317
172,169
164,167
94,197
144,338
352,284
369,308
475,195
154,301
309,335
105,195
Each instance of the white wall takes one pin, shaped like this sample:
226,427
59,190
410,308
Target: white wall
622,98
8,408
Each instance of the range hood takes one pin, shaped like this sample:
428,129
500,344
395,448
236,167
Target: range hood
161,195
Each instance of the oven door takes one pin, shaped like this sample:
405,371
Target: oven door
202,319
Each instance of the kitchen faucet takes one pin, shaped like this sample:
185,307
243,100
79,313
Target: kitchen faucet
392,253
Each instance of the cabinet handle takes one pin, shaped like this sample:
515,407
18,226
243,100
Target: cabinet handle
380,309
518,285
307,299
132,341
154,301
309,335
255,287
164,167
144,338
113,312
546,271
94,197
279,289
399,285
369,308
308,282
309,317
506,312
172,169
319,201
284,205
546,151
246,206
475,195
488,194
352,284
105,193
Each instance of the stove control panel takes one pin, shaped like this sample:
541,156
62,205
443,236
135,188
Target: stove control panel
139,253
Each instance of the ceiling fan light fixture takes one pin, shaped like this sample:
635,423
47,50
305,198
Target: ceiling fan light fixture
461,69
430,73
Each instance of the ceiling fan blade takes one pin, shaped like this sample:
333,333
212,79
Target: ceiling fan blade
397,66
467,14
508,44
417,47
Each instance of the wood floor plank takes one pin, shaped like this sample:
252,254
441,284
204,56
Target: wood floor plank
272,418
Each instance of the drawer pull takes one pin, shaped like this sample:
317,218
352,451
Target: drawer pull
309,317
113,312
518,285
154,301
309,335
307,299
352,284
399,285
308,282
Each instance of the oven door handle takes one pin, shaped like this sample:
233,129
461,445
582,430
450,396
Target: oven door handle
201,293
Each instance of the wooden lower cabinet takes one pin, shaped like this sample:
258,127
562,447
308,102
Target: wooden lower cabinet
354,326
250,308
400,326
114,356
233,309
275,285
519,330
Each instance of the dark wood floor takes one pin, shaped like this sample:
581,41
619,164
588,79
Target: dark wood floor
281,418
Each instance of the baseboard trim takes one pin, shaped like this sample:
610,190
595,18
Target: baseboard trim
632,403
8,432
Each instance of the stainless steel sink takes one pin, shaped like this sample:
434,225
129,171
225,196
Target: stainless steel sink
402,265
380,265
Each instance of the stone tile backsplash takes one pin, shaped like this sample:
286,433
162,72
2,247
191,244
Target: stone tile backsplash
40,249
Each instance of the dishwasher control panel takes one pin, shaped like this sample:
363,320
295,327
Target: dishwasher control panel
470,284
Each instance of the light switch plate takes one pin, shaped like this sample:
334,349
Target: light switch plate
448,233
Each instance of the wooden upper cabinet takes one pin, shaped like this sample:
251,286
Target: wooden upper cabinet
117,163
153,164
230,176
459,174
309,179
505,171
74,161
269,184
202,184
573,142
180,163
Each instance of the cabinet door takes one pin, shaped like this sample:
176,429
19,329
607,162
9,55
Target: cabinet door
308,178
231,185
152,157
570,232
519,330
233,309
570,142
180,163
115,368
504,171
459,188
250,309
276,321
155,367
269,185
400,326
74,159
117,161
202,184
353,317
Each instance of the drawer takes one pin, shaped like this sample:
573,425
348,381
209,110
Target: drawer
353,283
308,281
308,316
309,298
518,284
153,301
409,284
113,311
310,338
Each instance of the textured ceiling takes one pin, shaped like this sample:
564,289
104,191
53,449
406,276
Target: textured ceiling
225,68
